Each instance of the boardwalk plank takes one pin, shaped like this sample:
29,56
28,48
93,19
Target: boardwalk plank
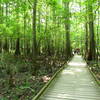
74,83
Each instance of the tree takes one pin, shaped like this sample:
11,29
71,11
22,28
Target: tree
86,33
92,50
34,48
67,28
17,50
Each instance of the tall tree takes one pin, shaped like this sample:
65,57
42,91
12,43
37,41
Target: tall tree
34,48
92,50
86,33
6,45
1,19
67,28
17,50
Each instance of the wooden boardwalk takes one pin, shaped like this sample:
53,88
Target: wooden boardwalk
73,83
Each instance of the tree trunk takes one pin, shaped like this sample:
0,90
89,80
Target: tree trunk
67,28
34,45
86,35
24,49
17,51
86,41
98,40
34,48
92,50
1,15
6,47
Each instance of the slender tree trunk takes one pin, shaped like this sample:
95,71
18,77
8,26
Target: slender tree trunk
67,28
92,50
34,48
6,45
1,15
39,31
0,45
86,35
34,45
6,48
98,40
24,51
17,51
28,47
46,44
39,21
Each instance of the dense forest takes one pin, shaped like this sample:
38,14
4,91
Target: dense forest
37,37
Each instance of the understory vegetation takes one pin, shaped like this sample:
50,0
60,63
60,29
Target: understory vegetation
17,81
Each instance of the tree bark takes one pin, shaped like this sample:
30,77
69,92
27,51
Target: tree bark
92,50
67,28
86,35
1,15
17,51
34,48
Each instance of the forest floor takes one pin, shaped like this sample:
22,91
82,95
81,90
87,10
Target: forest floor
16,79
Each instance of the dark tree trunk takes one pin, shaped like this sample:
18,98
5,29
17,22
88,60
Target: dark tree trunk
28,47
86,41
98,37
67,28
0,46
6,45
92,50
17,51
34,45
24,49
34,48
86,35
39,31
1,21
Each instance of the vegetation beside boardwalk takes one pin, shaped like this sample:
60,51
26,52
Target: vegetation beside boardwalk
17,81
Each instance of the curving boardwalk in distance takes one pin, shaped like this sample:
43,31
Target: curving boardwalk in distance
73,83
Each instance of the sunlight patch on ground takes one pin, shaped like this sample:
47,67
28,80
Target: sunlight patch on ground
68,72
63,95
76,64
78,70
72,72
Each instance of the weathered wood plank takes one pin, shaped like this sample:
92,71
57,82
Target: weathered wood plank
73,83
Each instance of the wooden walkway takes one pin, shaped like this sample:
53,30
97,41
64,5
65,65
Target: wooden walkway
74,83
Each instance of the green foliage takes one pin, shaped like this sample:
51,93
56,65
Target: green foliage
16,22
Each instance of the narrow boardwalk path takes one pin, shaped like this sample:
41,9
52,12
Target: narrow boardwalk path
74,83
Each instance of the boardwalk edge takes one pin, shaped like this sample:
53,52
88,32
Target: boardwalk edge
94,76
48,83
